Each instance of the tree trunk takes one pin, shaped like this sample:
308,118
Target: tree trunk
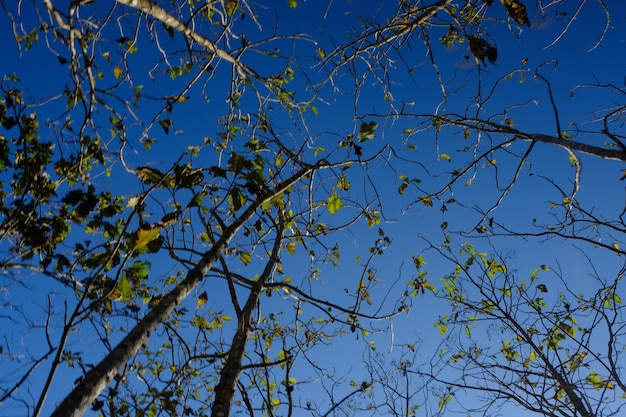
94,381
225,389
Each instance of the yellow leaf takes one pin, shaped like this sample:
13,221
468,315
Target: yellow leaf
427,201
516,11
533,356
343,183
333,203
291,247
202,299
142,240
117,72
245,257
446,157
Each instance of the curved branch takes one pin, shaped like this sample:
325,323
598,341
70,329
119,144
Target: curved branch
152,9
570,145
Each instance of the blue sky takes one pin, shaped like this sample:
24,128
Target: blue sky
405,223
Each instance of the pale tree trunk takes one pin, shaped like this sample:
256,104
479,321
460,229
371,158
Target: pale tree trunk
94,381
225,389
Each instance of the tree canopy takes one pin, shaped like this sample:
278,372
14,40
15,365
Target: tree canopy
312,208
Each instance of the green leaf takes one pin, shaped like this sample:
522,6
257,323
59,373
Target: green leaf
597,382
147,239
366,132
418,261
125,287
567,329
245,257
444,400
152,176
442,326
482,49
187,177
237,199
138,270
333,204
281,357
293,3
165,124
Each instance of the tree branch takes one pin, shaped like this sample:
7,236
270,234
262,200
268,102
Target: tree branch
77,402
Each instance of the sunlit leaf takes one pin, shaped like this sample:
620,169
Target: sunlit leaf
373,218
567,329
202,299
245,257
597,382
125,288
444,400
427,201
146,239
343,183
442,326
176,72
334,203
516,11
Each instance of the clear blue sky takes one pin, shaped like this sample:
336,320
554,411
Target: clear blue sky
404,223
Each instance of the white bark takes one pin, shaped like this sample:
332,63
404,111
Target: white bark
88,389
